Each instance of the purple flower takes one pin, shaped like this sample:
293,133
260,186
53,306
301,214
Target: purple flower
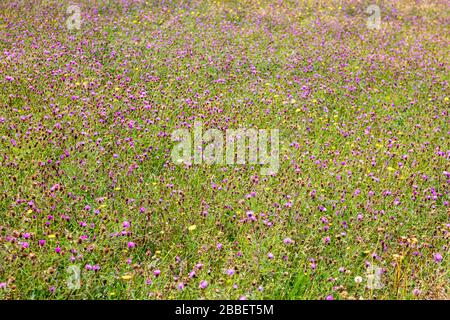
270,255
57,249
203,284
199,266
437,257
288,241
157,272
329,297
230,272
131,244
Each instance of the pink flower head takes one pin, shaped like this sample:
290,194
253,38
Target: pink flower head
230,272
199,266
437,257
203,284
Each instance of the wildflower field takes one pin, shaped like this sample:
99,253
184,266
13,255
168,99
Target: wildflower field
93,205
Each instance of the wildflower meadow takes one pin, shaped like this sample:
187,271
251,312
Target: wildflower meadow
253,149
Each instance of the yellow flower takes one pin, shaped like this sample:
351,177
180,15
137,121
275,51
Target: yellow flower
126,277
51,236
391,169
192,228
